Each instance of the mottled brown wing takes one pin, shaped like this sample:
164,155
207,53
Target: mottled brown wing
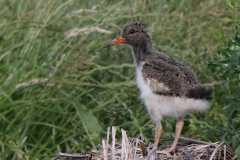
168,77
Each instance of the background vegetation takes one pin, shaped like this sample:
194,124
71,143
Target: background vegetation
60,90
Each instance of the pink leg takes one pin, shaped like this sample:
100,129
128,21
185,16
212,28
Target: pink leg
158,132
178,130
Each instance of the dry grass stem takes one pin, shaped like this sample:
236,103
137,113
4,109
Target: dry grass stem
33,82
75,31
82,11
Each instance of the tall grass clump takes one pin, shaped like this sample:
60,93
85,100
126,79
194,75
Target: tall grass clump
59,90
225,65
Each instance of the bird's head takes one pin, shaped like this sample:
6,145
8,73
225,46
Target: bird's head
134,34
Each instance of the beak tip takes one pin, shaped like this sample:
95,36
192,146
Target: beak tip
117,40
106,45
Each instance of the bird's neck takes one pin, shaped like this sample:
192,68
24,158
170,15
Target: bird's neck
140,52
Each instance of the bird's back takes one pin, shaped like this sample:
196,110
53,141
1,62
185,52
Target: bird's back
178,80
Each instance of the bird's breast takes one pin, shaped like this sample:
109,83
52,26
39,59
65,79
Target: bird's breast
144,88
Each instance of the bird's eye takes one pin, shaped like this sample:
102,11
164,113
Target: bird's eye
132,31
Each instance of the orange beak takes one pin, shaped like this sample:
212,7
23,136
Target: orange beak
117,40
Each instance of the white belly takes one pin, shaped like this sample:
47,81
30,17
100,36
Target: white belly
159,106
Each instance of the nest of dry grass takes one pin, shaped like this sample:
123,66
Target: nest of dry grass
135,149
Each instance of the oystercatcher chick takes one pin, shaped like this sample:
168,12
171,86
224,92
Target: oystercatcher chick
168,87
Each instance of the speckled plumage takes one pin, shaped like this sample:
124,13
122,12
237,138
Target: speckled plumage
168,87
164,76
179,79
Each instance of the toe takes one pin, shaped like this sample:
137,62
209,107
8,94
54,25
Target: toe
164,152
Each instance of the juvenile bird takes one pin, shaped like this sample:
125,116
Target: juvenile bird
168,87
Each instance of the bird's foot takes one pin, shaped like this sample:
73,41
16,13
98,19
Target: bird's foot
153,146
166,151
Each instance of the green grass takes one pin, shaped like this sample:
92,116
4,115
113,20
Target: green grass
81,88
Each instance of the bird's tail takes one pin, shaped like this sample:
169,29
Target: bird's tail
200,92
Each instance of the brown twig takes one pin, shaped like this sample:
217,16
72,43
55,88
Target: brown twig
144,149
186,153
214,137
193,140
